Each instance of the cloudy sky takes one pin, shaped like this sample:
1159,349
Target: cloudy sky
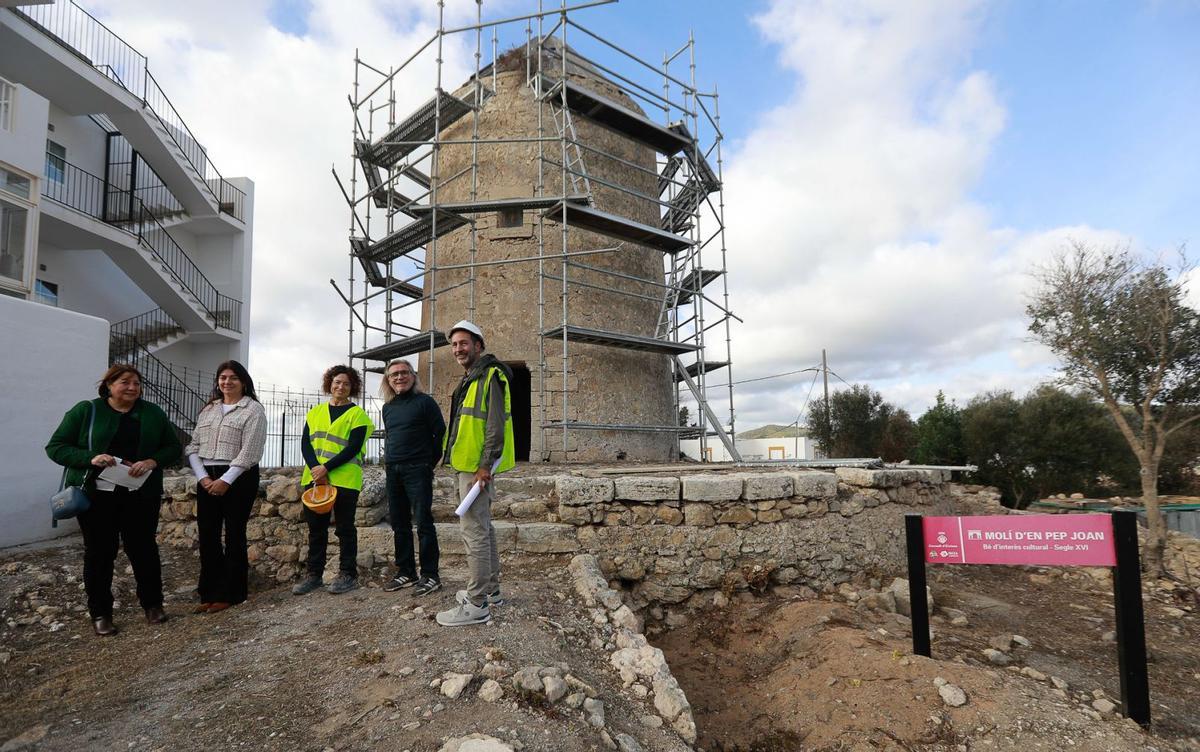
893,170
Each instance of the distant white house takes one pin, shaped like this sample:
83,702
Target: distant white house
752,450
111,208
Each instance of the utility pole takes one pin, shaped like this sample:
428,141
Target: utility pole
825,373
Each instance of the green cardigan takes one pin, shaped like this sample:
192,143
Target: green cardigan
158,442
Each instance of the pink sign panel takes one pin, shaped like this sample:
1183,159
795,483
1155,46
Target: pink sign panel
1069,540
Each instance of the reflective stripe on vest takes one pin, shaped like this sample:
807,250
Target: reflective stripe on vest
329,439
472,426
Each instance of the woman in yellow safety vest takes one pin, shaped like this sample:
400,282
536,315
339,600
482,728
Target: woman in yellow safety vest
333,444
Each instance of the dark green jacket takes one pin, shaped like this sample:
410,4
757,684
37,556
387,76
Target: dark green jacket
69,444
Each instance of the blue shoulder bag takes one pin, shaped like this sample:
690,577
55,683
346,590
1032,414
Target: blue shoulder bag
71,501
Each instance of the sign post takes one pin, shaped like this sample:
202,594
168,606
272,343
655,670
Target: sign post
1088,540
915,536
1131,624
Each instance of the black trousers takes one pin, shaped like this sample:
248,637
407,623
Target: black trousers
410,497
120,517
224,568
318,534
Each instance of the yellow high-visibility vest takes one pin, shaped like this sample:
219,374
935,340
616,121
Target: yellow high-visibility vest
472,426
329,438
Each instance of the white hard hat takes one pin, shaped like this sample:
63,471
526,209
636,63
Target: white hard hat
466,326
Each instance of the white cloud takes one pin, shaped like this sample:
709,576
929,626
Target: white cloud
851,221
273,106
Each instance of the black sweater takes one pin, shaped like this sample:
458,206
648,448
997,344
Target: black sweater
414,427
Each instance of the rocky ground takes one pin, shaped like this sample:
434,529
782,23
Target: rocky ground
362,671
1023,658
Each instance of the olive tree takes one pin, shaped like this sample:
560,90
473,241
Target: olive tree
1124,332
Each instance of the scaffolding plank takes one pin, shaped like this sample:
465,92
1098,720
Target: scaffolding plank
682,208
614,226
379,195
410,237
398,348
500,204
700,166
573,426
378,278
693,369
688,284
444,110
587,336
616,117
415,175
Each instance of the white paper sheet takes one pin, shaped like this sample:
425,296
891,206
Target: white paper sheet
119,474
473,493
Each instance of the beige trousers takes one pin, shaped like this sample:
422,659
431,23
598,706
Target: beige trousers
479,537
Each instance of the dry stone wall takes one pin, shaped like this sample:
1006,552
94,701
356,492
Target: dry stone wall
670,539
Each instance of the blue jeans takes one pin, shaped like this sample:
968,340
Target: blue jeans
410,496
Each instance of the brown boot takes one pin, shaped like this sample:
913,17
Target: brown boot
155,615
202,608
104,626
218,606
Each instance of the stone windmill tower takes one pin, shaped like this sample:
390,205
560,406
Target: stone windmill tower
540,201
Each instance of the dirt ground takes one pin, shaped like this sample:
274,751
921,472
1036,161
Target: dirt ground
784,670
790,672
280,672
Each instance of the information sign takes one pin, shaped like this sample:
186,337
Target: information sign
1065,540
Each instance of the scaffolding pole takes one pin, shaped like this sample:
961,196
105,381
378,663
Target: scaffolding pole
402,263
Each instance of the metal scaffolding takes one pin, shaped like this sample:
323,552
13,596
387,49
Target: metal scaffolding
394,174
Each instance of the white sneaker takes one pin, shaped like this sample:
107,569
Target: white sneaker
493,599
463,615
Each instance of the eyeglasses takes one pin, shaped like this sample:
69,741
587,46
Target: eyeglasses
398,374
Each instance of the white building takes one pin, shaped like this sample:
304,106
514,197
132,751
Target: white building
752,450
110,207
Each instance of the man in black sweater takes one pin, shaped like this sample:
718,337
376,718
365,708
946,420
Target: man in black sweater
414,427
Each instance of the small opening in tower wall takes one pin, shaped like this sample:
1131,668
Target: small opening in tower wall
510,218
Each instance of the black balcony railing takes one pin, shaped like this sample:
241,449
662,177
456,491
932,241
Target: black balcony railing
82,191
129,175
161,386
142,330
84,36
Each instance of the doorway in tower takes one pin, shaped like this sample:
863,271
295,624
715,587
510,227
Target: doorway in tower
521,386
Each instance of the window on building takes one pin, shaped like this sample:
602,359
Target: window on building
16,214
56,162
8,96
510,218
45,292
17,185
14,223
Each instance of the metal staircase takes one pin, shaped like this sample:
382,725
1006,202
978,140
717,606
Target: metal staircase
152,330
128,342
89,194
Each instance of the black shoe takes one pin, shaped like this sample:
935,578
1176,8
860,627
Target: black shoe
104,626
343,583
307,585
399,582
155,615
427,585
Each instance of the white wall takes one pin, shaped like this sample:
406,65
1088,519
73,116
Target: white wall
24,147
51,359
90,282
84,140
754,450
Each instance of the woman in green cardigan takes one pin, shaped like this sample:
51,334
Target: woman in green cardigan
137,433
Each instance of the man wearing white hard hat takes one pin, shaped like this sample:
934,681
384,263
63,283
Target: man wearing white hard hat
479,442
